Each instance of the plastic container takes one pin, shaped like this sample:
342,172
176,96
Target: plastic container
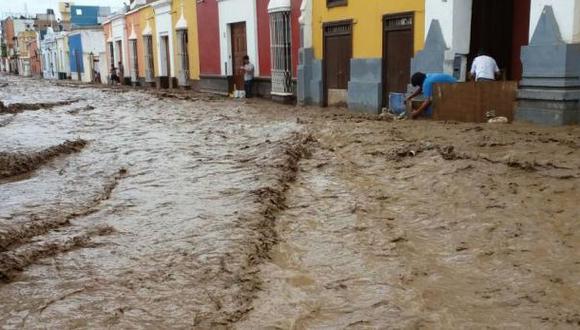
397,103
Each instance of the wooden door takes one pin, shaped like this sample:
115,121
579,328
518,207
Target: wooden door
239,50
166,55
337,56
120,60
397,53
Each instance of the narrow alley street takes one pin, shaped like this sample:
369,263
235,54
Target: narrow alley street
138,209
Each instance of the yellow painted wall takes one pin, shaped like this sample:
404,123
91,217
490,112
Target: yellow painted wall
367,23
148,15
190,14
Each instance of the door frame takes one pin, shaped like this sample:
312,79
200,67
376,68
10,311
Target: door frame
385,46
324,34
232,49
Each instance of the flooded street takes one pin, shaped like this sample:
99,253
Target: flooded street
133,209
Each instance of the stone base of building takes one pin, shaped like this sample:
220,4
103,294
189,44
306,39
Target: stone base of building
162,82
310,87
549,92
551,113
262,87
365,92
284,99
216,84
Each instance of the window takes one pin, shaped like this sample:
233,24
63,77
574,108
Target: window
111,54
149,68
281,49
182,53
336,3
134,63
79,12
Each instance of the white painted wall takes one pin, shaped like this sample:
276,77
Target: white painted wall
20,25
63,64
49,50
455,19
118,34
93,42
236,11
164,27
306,23
567,14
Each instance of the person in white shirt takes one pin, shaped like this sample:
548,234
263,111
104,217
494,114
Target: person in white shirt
248,69
484,68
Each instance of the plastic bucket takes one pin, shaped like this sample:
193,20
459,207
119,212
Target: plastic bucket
397,103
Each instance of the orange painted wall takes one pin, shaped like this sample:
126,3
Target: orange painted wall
133,21
9,31
34,55
107,28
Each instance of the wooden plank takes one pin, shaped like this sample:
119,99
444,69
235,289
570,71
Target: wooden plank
469,102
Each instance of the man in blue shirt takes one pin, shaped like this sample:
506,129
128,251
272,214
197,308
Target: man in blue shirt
425,83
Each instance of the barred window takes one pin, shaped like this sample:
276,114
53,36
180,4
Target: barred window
134,63
281,49
111,54
336,3
149,66
182,54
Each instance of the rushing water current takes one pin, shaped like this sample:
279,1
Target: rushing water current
133,209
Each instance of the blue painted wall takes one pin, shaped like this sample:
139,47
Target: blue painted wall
84,15
75,47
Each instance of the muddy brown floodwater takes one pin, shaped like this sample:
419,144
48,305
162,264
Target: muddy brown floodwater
131,209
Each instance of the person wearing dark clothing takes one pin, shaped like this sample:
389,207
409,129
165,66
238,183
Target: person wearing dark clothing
114,76
248,69
121,72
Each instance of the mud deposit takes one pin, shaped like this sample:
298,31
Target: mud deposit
190,211
15,163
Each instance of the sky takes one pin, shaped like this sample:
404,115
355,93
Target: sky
40,6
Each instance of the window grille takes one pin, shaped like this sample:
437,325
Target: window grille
337,29
182,54
280,41
149,67
396,23
134,63
111,54
335,3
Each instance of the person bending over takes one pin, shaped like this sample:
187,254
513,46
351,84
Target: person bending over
484,68
425,83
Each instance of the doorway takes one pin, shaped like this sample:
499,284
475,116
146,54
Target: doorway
239,50
500,28
337,55
398,49
120,67
165,57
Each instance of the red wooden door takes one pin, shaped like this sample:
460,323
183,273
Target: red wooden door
239,50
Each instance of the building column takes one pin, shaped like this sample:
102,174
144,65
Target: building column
448,37
549,92
309,69
281,50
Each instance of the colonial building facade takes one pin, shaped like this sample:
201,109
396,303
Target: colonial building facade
321,52
357,52
535,42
